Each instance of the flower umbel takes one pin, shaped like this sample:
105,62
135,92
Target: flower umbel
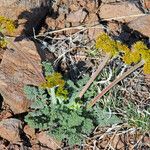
53,80
3,43
7,26
139,51
108,45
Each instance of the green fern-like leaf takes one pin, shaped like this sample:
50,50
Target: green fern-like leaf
48,68
31,92
105,118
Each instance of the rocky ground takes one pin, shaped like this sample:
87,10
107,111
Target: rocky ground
42,28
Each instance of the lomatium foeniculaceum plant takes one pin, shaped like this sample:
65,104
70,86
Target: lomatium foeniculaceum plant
56,109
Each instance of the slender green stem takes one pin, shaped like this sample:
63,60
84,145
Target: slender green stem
54,101
112,84
51,92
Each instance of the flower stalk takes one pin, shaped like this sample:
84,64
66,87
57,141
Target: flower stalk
51,92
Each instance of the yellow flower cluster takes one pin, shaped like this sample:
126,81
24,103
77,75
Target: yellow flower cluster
138,52
130,56
62,93
144,52
7,26
107,44
55,80
3,43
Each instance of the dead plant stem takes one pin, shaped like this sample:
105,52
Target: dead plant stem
112,84
94,75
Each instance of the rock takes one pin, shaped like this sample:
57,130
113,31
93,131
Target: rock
28,13
74,7
109,1
10,129
1,54
119,10
92,19
114,27
30,132
2,146
36,147
76,17
46,140
93,33
55,24
146,4
16,71
8,2
141,24
51,23
82,3
5,114
91,6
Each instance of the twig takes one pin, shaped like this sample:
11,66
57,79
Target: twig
141,137
112,84
111,139
123,17
94,75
